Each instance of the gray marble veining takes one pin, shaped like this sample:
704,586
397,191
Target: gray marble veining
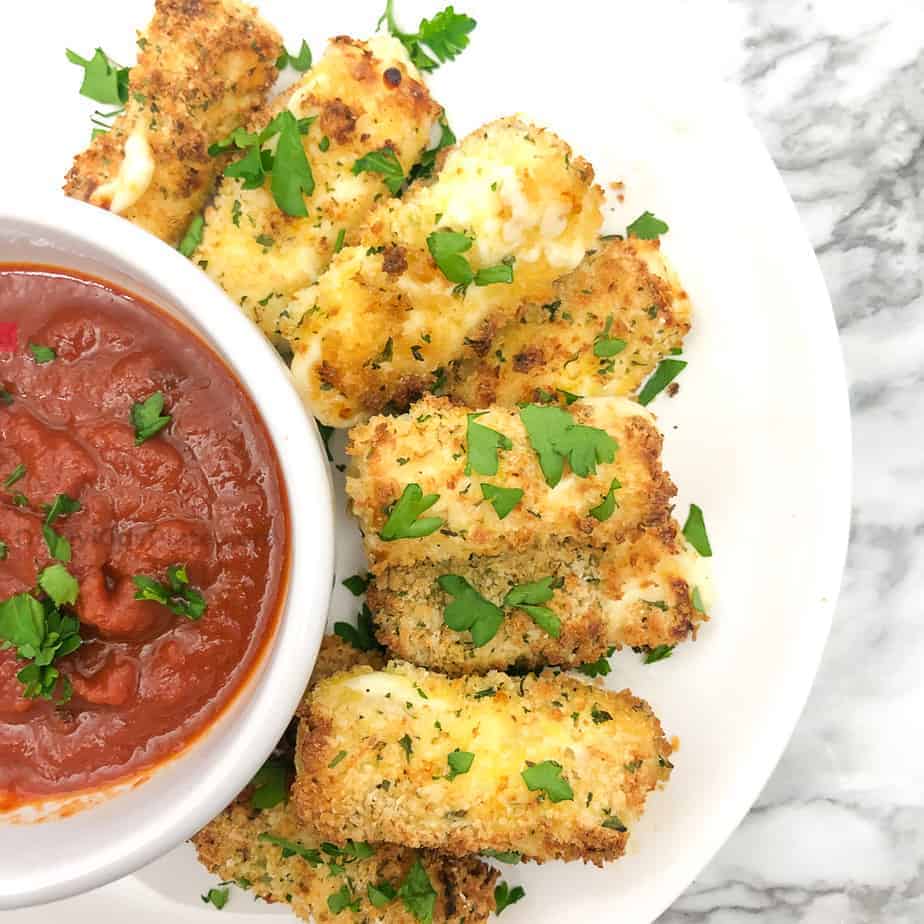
836,87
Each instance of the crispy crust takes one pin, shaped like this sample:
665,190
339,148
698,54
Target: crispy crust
372,338
358,111
204,66
550,347
393,788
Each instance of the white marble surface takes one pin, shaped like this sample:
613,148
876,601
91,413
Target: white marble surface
836,87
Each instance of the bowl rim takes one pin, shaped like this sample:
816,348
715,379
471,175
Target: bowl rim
246,730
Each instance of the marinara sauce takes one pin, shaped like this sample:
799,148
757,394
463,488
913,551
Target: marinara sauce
205,493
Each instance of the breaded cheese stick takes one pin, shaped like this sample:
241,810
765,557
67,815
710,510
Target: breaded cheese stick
436,442
203,68
609,325
250,847
509,203
548,766
364,96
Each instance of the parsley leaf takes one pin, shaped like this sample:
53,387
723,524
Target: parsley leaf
193,236
605,345
528,597
59,584
217,897
382,894
4,550
504,896
6,398
356,584
147,417
406,746
385,162
647,227
403,522
362,635
58,546
555,437
469,611
103,80
42,354
502,499
599,668
604,510
300,62
695,531
177,594
446,36
658,654
293,848
459,762
14,476
667,371
546,777
697,601
614,824
418,894
424,167
491,275
600,716
343,899
271,784
446,248
292,174
482,444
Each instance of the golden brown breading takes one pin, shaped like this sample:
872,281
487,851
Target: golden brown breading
230,846
427,446
336,655
384,319
204,66
358,109
624,291
398,728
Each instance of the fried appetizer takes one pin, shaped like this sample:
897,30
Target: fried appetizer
362,97
204,66
608,326
545,765
433,275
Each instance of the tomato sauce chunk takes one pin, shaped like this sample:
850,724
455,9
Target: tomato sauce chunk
143,534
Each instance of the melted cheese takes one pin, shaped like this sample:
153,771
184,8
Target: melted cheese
134,176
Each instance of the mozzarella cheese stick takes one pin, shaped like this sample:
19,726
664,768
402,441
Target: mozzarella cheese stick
363,96
382,324
544,765
203,68
608,326
435,444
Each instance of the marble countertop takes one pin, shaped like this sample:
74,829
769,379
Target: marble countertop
836,88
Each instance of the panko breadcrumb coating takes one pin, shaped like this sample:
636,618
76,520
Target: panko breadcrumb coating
204,66
363,96
234,847
591,756
609,325
384,322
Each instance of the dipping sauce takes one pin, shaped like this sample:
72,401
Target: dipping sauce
204,494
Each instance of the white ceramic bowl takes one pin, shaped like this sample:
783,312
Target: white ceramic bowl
121,829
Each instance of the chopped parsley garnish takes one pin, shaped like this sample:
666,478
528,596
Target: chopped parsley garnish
600,716
555,437
482,444
362,635
20,500
193,236
469,611
599,668
405,521
58,546
502,499
341,237
271,784
492,275
503,856
605,345
604,510
424,167
147,417
5,397
385,162
337,760
177,594
528,597
293,848
381,895
446,36
614,824
4,550
14,476
546,777
660,653
217,897
300,62
42,354
447,247
504,896
356,584
418,894
343,899
103,80
406,746
667,371
697,600
695,531
459,762
647,227
60,585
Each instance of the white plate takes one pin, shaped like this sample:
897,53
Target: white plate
758,435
